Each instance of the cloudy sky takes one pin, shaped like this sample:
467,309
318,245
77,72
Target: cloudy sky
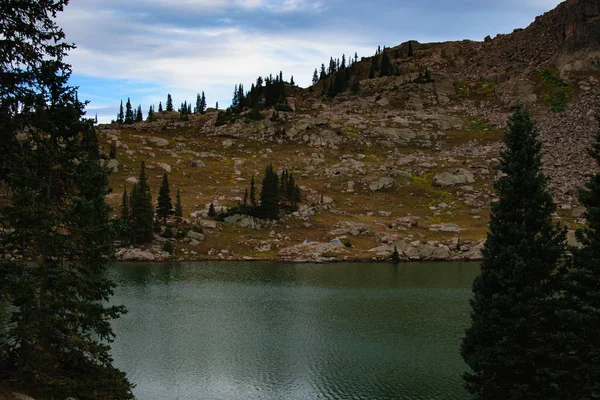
144,49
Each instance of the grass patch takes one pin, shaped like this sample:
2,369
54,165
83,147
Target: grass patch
554,92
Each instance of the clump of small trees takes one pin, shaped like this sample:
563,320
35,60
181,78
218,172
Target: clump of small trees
277,193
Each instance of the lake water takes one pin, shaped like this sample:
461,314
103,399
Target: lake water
250,331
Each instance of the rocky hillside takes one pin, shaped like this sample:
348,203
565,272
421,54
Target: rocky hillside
396,161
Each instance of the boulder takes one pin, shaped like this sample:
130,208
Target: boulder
112,165
132,180
195,236
159,142
381,183
165,167
458,176
134,254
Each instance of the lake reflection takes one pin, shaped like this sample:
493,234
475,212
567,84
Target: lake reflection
293,331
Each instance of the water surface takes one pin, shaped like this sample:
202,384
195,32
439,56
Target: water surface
253,331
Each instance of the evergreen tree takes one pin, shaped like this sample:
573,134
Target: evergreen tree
53,259
245,203
169,102
315,78
509,345
578,332
164,207
269,194
386,66
323,73
121,115
139,117
178,207
150,116
160,108
125,205
141,210
332,67
211,210
198,108
253,202
203,104
292,81
189,109
128,112
217,106
374,67
410,48
355,57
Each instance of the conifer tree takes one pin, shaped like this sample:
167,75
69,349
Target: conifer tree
160,108
125,205
323,73
374,67
150,116
253,202
198,107
164,207
315,78
211,210
578,332
141,210
292,81
245,202
53,259
203,104
169,102
121,115
355,57
509,344
386,67
410,48
269,194
128,112
139,117
189,109
178,206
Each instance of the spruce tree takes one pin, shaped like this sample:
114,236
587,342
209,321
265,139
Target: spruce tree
211,210
292,81
169,102
253,202
160,108
269,194
52,269
141,210
203,104
128,112
150,116
125,205
374,67
178,207
315,78
323,73
386,66
198,104
509,343
164,207
579,327
139,117
121,115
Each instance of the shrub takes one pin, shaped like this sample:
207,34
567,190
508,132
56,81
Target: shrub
168,247
168,233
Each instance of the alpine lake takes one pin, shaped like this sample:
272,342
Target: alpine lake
258,330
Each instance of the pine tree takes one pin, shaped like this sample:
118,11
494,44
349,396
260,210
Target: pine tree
139,117
53,261
386,66
355,57
121,115
150,116
169,102
315,78
323,73
178,207
253,202
509,344
410,49
164,207
374,67
579,328
203,104
160,108
198,108
292,81
128,112
269,194
141,210
125,205
211,210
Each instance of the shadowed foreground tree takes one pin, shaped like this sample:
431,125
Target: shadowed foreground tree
56,229
509,344
581,317
141,211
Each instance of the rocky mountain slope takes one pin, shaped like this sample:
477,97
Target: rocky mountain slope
396,161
